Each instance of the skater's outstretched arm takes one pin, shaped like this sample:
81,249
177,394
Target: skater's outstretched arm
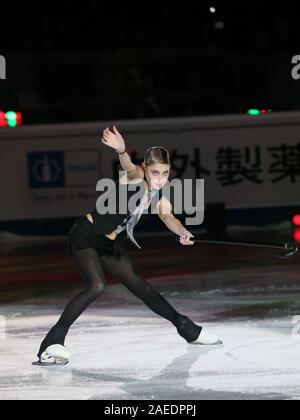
172,223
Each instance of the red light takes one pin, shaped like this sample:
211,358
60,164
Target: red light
3,122
296,220
297,235
263,111
19,118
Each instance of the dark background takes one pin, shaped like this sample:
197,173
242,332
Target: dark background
99,60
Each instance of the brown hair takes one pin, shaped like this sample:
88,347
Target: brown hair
157,154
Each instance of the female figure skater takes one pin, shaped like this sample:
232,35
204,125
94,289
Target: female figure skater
94,243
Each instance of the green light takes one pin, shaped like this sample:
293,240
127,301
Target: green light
11,118
253,112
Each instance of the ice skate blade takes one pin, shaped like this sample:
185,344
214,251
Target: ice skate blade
54,363
217,343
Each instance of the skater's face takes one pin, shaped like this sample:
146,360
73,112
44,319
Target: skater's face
157,175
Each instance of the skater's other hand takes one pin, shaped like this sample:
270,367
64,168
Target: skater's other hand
185,236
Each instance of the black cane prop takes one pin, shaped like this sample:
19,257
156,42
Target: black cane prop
290,248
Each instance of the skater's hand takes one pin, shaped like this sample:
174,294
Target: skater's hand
185,236
113,139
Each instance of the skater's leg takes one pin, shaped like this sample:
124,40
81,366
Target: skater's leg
89,266
127,273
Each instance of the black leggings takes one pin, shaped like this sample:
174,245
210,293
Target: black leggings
90,265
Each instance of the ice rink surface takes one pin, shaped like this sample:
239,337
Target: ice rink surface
122,350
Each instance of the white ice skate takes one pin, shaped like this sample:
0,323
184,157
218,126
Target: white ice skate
54,355
207,338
